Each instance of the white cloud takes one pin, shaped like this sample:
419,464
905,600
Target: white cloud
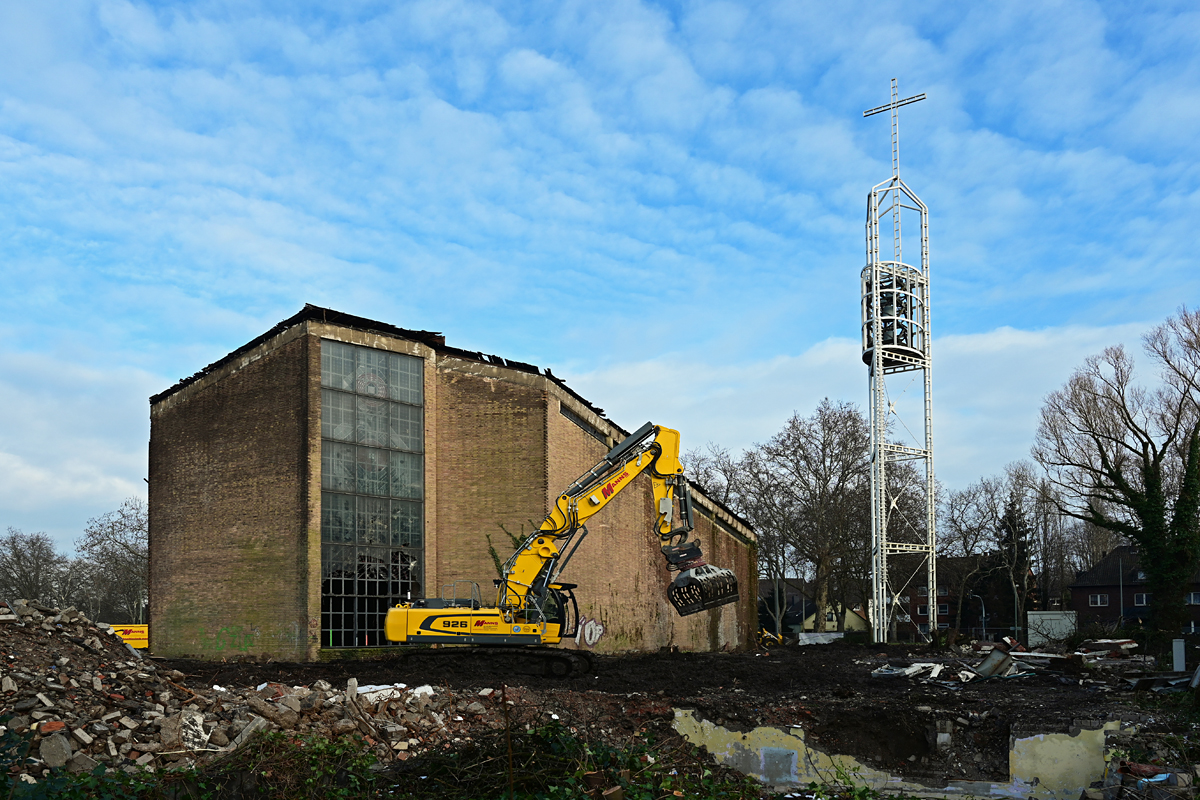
74,441
988,390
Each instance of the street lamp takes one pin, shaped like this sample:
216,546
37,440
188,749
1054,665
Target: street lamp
983,613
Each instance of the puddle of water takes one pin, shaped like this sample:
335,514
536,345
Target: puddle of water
1051,766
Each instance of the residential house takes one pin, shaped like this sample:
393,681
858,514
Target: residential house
1115,591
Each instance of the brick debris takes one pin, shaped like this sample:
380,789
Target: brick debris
89,699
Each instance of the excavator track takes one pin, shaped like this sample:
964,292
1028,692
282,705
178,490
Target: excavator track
550,662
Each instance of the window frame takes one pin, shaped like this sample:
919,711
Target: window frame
373,471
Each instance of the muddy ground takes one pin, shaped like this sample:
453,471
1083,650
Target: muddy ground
888,723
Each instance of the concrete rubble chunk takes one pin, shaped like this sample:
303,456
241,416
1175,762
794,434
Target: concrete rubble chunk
283,717
82,762
256,724
393,732
195,737
183,731
55,750
82,736
7,684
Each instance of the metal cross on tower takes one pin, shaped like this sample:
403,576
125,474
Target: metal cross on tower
895,316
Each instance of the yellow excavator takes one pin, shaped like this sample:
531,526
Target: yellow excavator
532,607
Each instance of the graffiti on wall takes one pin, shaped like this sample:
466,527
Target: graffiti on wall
588,632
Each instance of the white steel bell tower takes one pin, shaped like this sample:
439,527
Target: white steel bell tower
896,348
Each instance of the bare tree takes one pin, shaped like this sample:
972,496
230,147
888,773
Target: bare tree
29,566
716,471
1127,459
1053,546
721,476
969,520
118,544
805,486
1088,543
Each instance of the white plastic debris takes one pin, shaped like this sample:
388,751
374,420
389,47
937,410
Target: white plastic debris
377,693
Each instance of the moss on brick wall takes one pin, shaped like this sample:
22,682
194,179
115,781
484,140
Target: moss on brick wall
228,532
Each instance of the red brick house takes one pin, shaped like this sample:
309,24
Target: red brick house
1115,590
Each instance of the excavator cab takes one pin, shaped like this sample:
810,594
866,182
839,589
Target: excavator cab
698,586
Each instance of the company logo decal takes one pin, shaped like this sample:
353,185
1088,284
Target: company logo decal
612,485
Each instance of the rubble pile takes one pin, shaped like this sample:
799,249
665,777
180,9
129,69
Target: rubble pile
1161,772
89,700
1010,659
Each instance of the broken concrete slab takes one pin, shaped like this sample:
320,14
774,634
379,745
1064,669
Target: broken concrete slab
82,762
55,750
256,724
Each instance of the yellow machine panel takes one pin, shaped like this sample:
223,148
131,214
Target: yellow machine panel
440,624
135,635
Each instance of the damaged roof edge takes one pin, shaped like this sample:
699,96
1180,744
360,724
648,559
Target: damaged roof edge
436,341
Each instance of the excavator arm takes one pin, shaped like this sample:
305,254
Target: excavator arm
531,574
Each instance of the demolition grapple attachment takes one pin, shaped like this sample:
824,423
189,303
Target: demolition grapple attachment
698,586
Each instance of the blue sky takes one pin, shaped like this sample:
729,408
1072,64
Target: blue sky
663,203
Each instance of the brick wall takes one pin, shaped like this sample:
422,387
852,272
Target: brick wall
504,453
229,549
490,469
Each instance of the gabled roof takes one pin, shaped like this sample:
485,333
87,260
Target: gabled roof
1120,566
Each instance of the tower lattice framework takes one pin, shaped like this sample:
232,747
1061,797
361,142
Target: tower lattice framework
896,317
